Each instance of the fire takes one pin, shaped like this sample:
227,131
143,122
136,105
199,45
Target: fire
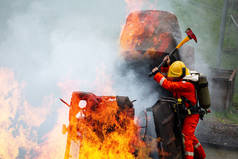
103,129
20,122
54,141
148,34
138,34
13,137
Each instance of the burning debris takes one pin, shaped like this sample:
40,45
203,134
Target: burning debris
19,122
149,34
102,127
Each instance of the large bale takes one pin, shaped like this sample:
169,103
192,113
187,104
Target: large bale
98,122
150,35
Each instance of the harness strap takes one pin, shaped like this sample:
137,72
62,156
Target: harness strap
192,109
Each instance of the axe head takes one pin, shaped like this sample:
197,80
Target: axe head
190,34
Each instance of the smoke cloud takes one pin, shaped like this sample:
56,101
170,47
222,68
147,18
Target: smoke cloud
48,49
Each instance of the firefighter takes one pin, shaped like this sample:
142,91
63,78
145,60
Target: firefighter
183,90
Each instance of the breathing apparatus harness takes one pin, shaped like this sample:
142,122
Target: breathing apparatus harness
202,96
190,110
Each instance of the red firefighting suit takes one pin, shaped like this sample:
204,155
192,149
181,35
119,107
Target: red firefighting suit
192,147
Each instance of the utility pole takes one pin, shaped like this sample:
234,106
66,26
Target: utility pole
222,32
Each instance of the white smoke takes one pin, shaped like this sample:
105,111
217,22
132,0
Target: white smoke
59,46
46,43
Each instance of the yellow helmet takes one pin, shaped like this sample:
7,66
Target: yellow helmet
178,70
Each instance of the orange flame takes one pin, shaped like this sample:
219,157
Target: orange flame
147,34
139,35
54,144
108,132
13,135
19,122
104,130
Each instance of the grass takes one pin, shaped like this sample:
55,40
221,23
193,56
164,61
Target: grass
229,116
235,101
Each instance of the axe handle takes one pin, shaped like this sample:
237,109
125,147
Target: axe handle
162,63
183,42
186,39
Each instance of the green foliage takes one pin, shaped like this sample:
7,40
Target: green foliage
235,100
204,17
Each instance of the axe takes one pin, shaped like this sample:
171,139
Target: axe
190,35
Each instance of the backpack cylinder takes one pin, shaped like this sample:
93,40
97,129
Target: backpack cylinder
203,92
